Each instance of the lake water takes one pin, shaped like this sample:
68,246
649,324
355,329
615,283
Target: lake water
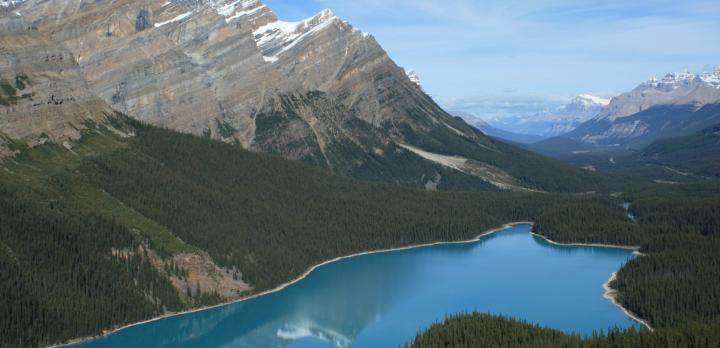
384,299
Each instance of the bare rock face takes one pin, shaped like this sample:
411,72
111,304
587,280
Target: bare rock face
43,96
226,56
327,54
179,65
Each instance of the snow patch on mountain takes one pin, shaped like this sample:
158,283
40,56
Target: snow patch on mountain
11,3
712,78
670,82
176,19
413,76
280,36
251,12
229,9
240,8
683,88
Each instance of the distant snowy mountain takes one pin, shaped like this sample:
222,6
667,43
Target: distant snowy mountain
681,88
676,105
712,78
555,121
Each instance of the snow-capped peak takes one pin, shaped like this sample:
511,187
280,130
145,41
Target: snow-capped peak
712,78
413,76
671,81
591,100
277,37
326,14
674,81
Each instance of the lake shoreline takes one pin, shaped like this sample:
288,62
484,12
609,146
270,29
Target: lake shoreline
285,285
609,295
635,249
612,296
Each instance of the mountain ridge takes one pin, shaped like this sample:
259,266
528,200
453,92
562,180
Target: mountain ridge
318,90
677,105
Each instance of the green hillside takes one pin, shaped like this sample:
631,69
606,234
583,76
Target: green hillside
697,154
106,215
678,160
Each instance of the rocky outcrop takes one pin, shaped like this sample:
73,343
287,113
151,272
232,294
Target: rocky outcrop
191,70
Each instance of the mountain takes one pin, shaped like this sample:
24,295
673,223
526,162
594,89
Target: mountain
674,89
317,90
555,120
677,105
487,129
568,117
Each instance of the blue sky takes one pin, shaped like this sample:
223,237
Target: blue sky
475,52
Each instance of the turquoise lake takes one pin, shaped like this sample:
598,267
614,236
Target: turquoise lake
384,299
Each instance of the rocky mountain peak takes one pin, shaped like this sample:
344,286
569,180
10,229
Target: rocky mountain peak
413,76
682,88
712,78
277,37
671,82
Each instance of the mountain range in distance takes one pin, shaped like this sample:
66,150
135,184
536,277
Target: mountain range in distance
677,105
543,124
